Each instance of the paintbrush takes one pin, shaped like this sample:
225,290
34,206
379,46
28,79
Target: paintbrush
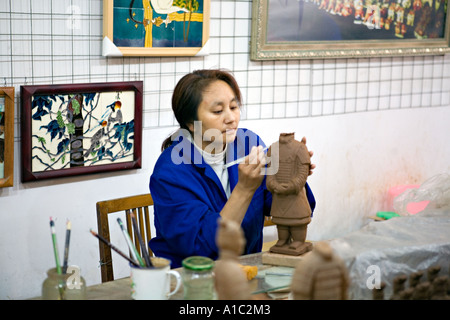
56,254
148,262
131,246
55,246
232,163
66,247
109,244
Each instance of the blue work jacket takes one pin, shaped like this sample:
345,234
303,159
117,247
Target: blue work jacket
188,197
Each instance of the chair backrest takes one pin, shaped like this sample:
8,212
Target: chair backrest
139,205
268,221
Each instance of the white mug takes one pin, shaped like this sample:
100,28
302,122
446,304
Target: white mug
153,283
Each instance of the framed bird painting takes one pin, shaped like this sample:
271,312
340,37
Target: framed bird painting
74,129
155,27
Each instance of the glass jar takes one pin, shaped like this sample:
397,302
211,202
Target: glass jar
198,281
68,286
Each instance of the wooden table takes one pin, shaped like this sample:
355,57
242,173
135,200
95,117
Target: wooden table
120,289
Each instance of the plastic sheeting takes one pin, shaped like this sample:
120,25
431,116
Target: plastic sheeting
401,245
436,190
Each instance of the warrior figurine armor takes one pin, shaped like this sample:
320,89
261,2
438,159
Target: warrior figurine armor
320,275
290,210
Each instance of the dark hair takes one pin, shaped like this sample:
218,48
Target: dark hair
188,94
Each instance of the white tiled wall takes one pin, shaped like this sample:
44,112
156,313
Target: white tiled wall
49,41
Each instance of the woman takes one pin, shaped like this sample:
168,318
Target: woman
191,187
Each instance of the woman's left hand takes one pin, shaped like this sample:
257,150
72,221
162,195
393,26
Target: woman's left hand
312,166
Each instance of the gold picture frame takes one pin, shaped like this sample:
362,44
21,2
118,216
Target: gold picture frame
268,42
6,136
156,28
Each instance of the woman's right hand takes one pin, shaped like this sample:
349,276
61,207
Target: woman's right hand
251,170
251,174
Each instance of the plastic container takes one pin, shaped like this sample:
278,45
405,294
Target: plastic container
411,207
198,281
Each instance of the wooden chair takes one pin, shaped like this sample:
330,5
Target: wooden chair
139,205
268,221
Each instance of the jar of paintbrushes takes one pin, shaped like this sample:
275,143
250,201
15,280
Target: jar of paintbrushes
64,286
63,282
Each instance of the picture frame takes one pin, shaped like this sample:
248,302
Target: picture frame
277,32
156,27
75,129
6,137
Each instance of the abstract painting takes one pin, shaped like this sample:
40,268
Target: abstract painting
81,128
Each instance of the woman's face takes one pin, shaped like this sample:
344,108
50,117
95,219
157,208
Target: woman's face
218,117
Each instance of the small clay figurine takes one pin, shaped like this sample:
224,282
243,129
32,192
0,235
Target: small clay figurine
432,273
290,208
320,275
378,294
421,291
406,294
414,278
398,287
448,281
230,280
439,289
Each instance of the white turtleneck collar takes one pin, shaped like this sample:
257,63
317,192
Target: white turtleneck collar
216,161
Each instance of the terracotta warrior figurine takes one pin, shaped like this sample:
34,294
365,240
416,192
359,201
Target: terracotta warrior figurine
230,280
378,293
320,275
290,207
398,286
414,278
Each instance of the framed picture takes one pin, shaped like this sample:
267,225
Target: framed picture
74,129
155,27
310,29
6,136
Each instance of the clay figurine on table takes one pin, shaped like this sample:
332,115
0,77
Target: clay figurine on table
290,210
320,275
230,280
